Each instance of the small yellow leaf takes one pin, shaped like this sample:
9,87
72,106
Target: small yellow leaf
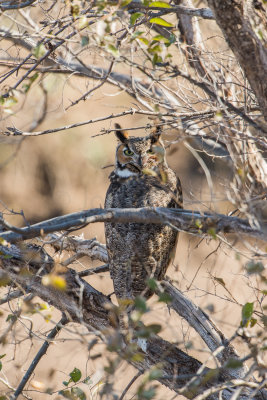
38,385
83,23
56,281
160,4
160,21
39,51
137,357
10,101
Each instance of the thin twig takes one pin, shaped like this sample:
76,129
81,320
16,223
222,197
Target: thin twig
130,384
85,95
11,296
92,271
38,356
132,111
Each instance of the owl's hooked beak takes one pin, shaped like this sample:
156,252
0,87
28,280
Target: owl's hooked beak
134,167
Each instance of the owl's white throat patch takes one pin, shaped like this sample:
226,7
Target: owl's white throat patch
125,173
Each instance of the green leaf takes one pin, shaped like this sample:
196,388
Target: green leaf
154,328
247,311
233,363
160,21
65,383
146,394
84,41
26,87
160,4
39,51
212,233
155,49
172,38
144,40
155,374
198,223
125,3
136,35
134,17
161,38
2,356
219,280
156,59
88,380
152,284
253,322
165,298
75,375
137,357
1,365
78,393
11,317
33,77
113,50
254,267
140,304
189,345
66,394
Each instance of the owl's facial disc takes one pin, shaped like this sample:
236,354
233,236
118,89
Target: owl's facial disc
126,162
136,155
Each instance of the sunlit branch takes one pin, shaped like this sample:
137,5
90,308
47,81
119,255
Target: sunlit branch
184,220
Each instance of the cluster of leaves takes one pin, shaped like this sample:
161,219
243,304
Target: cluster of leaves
254,268
74,392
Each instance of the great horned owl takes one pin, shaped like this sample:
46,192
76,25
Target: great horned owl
141,178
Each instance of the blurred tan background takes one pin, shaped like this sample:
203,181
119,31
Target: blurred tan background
61,173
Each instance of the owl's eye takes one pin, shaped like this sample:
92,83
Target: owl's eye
128,152
150,151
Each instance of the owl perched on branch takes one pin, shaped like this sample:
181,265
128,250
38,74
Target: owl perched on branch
141,178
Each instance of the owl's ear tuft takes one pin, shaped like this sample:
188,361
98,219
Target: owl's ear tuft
121,134
155,135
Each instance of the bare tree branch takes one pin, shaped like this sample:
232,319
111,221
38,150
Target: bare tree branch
14,4
184,220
